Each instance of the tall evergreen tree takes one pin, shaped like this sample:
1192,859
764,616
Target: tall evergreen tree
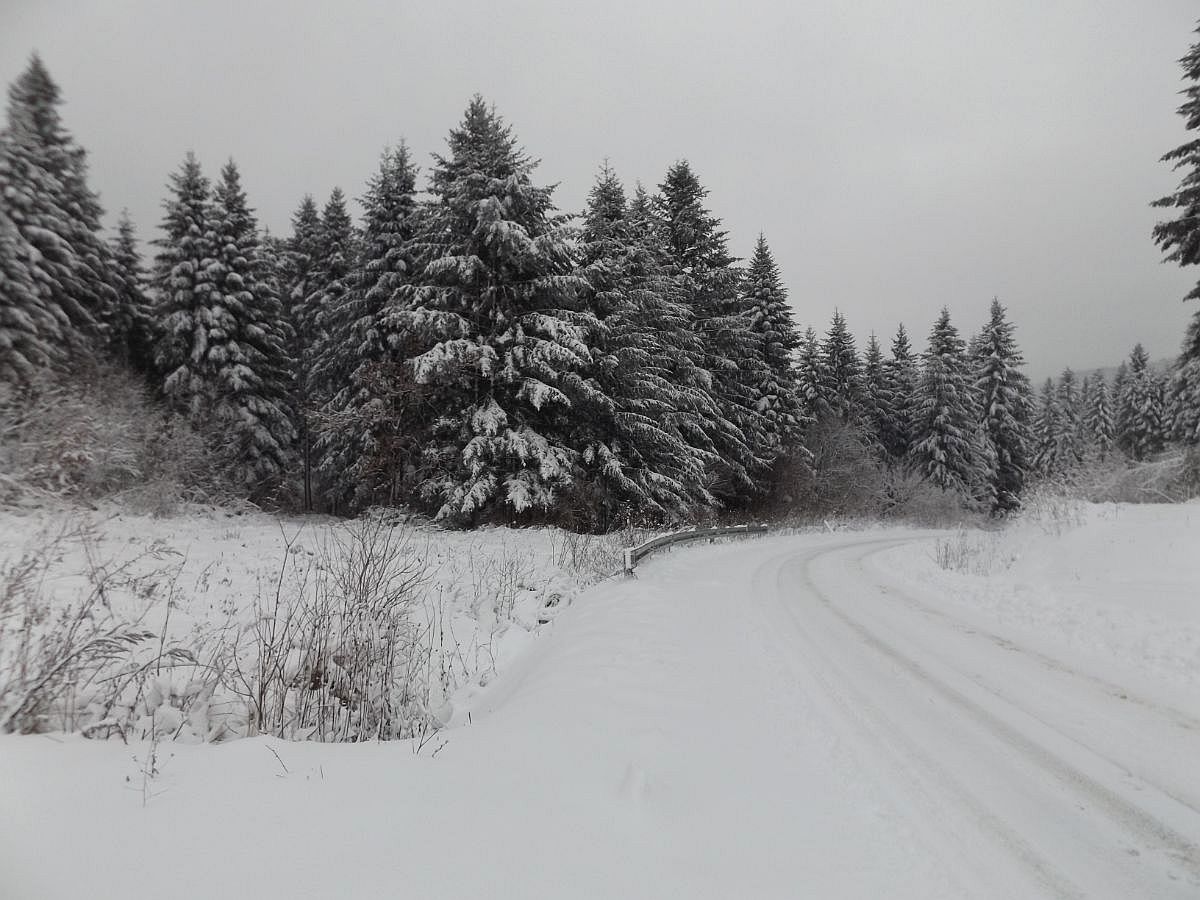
810,376
31,325
947,449
700,258
183,309
56,219
1141,433
1179,240
843,389
1049,456
1098,417
130,320
247,345
368,444
771,325
1003,392
902,379
1071,436
496,321
877,393
642,457
297,273
325,316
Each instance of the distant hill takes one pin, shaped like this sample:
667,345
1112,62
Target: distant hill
1161,365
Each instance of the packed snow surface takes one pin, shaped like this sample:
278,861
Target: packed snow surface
807,715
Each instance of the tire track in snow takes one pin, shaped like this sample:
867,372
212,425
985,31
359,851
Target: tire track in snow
912,763
1147,828
1177,717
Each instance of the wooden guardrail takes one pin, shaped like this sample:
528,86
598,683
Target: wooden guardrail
633,555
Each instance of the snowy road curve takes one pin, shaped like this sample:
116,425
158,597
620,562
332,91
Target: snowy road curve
771,718
1016,767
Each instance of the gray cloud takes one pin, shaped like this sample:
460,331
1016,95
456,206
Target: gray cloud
899,156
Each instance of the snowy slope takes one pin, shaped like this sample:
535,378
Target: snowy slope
826,716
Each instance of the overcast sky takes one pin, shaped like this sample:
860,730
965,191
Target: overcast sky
898,156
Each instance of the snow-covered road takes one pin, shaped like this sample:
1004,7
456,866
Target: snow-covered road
775,718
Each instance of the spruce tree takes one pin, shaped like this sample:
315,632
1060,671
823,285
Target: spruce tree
902,379
1098,417
810,377
765,300
1003,392
1141,433
298,262
947,449
368,443
56,217
700,259
497,329
31,325
1071,438
843,389
1179,240
324,317
1048,455
183,309
130,333
246,352
879,401
641,455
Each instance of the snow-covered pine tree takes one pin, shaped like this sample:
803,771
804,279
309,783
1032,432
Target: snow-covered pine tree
1179,239
1048,431
43,179
700,260
246,364
642,457
810,376
368,442
877,392
130,333
843,389
31,326
765,299
947,448
1098,417
182,310
496,321
323,318
1071,438
1004,398
1141,433
297,259
902,378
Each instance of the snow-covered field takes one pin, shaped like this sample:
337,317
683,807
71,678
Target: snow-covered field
824,715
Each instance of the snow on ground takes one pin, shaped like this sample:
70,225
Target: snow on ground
826,715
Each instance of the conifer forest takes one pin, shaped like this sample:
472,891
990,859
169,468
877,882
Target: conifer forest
462,347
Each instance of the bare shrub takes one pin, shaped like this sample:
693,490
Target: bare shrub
1055,507
340,655
973,552
593,557
77,664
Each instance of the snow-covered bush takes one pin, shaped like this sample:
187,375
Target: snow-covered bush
96,433
1171,478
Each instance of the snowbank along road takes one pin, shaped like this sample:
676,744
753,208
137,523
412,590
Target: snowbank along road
774,718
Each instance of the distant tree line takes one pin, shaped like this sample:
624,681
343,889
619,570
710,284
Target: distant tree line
473,353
